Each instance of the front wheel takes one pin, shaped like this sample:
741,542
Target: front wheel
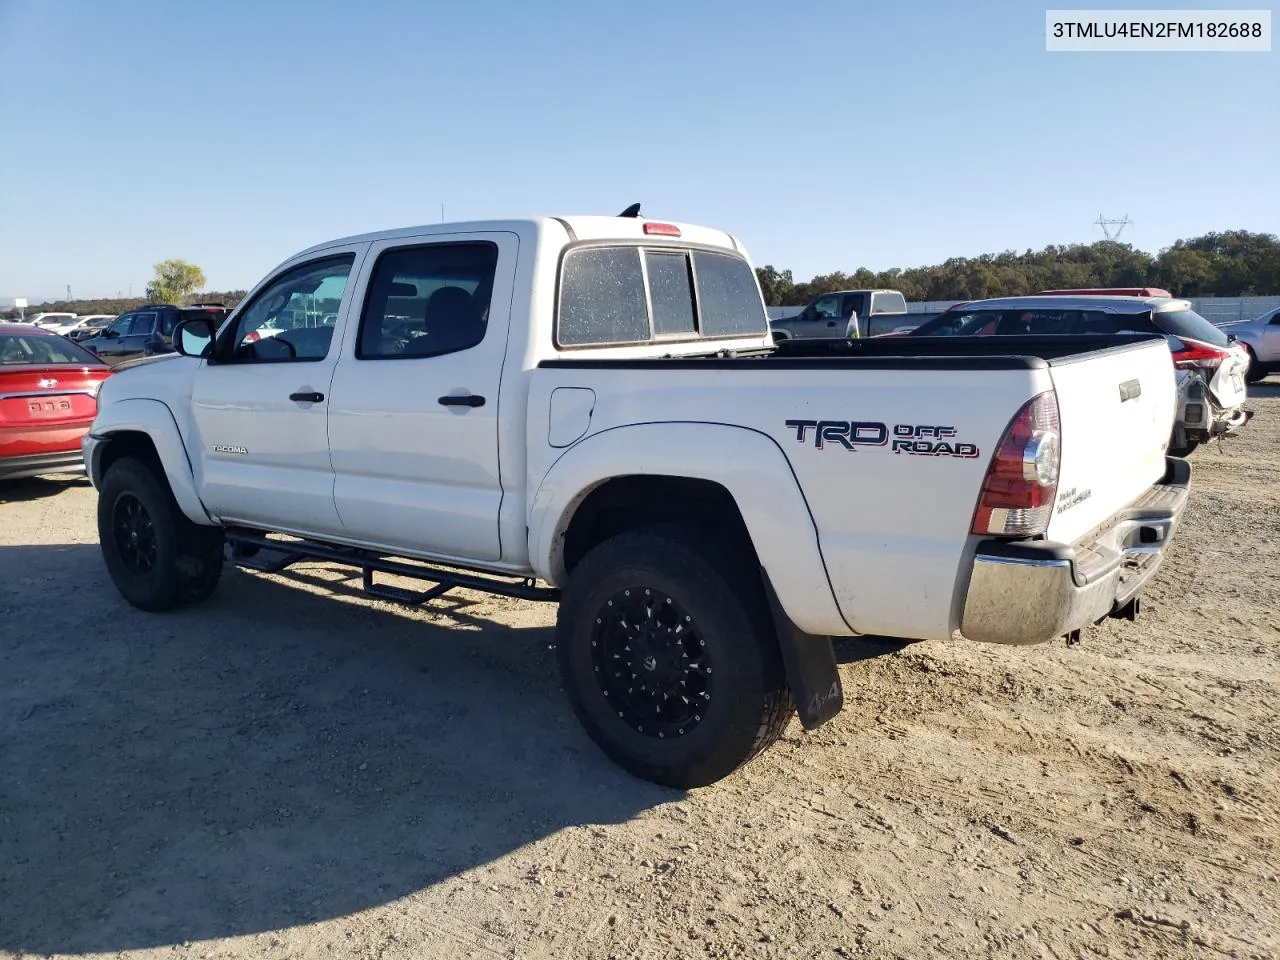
669,656
157,558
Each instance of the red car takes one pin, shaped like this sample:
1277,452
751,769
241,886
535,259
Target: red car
48,399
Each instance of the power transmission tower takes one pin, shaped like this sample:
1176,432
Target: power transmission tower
1111,229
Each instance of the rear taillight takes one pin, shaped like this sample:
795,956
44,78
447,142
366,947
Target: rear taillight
1022,480
1199,356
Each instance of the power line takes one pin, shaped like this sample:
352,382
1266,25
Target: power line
1111,229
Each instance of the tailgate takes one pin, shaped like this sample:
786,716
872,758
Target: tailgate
1116,409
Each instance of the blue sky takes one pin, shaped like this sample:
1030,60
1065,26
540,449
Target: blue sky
825,135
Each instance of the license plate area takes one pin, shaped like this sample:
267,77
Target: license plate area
42,409
49,408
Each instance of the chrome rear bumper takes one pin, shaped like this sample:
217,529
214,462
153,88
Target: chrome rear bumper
1031,591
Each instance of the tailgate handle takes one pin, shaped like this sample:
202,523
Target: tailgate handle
1130,390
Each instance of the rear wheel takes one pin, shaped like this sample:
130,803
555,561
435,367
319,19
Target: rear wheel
157,558
669,656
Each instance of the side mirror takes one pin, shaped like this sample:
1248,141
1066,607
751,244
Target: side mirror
110,334
807,313
194,338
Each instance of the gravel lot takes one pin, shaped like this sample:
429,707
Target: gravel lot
295,771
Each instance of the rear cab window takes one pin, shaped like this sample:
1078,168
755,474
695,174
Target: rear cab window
887,301
635,294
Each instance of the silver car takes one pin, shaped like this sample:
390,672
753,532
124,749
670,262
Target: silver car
1261,337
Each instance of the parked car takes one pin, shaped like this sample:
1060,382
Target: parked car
1107,292
1209,367
48,398
49,319
596,404
1261,338
88,326
845,313
144,332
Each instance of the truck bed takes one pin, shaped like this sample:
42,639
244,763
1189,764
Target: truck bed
914,353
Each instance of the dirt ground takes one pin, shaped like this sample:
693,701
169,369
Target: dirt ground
295,771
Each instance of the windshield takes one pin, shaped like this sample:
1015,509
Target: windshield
23,348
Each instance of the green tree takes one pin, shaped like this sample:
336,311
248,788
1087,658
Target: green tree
1184,272
174,280
777,286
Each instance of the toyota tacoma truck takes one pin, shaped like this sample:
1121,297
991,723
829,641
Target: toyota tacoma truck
591,411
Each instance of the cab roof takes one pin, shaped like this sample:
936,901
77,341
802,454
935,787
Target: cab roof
565,229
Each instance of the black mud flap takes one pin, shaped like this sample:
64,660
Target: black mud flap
811,666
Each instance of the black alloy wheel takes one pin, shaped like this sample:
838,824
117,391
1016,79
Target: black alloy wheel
651,662
135,534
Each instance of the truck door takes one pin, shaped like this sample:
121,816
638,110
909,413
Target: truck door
414,419
141,332
109,342
827,320
1271,340
260,409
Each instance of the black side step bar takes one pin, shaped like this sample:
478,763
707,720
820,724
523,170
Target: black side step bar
247,544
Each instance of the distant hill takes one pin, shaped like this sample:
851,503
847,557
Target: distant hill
117,306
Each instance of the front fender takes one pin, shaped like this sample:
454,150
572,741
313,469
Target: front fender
745,462
155,420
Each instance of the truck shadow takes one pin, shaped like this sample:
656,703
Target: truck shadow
267,759
868,647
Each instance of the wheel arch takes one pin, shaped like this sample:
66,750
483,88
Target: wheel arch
732,478
145,429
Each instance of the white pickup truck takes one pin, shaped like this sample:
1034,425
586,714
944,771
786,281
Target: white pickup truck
590,410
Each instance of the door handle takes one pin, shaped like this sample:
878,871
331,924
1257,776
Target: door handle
305,397
466,400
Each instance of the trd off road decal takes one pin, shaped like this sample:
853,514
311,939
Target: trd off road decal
918,439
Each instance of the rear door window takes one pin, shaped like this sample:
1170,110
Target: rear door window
427,300
143,323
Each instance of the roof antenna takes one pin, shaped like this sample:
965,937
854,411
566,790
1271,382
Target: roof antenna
631,211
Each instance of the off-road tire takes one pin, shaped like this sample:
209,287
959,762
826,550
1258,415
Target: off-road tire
721,590
187,556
